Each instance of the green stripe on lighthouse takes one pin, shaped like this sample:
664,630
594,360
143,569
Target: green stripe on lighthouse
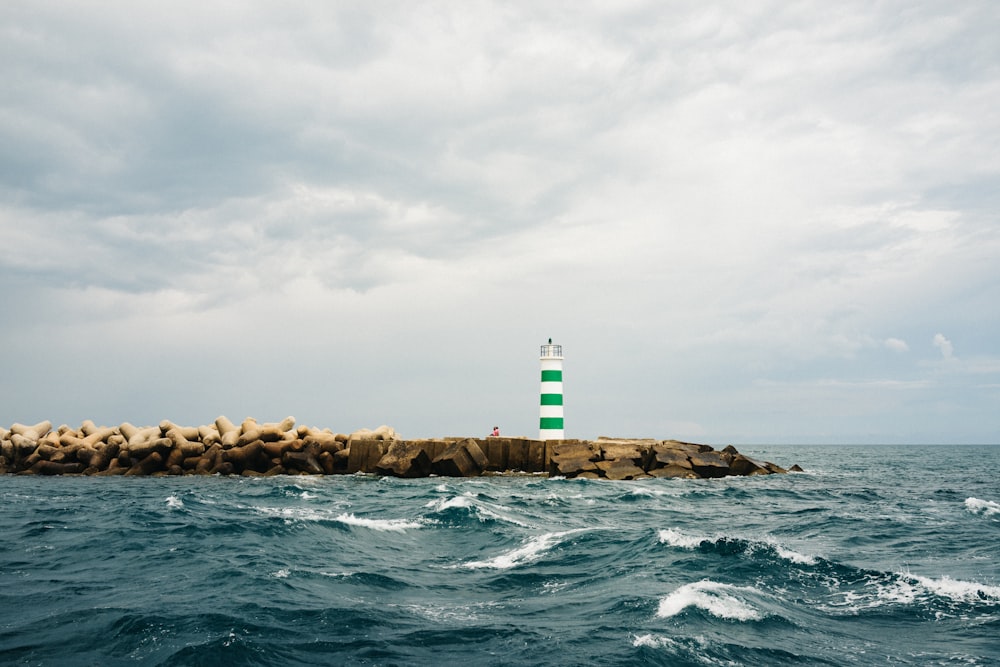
552,399
551,376
552,422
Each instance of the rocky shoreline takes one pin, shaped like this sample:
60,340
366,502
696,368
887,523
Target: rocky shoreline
282,448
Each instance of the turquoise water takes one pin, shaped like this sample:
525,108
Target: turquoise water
873,556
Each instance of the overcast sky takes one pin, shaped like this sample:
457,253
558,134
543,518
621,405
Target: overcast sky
746,222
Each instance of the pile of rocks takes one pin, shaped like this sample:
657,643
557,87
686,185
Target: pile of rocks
280,448
250,448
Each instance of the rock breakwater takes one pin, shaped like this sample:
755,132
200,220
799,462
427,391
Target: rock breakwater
252,448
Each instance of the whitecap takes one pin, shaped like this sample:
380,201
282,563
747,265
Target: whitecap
957,590
482,510
383,525
295,513
530,551
793,556
174,501
675,538
442,504
788,554
281,574
719,600
984,507
652,641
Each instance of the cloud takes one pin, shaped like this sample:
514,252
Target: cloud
943,344
896,345
350,211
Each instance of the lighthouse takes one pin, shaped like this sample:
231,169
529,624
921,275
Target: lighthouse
550,423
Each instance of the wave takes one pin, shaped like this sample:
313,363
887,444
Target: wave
483,511
984,507
174,502
720,600
382,525
678,539
675,538
958,591
943,596
529,552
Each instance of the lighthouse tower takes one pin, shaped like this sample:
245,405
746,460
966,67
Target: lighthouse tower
550,423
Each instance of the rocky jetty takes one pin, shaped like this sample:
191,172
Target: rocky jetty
282,448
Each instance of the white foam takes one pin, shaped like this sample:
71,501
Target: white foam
290,514
174,501
530,551
793,556
482,509
984,507
678,539
959,591
281,574
652,641
464,500
719,600
786,553
383,525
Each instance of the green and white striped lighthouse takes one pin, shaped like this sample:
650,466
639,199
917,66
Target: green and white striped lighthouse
550,423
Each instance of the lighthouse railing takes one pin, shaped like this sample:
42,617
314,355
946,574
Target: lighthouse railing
552,351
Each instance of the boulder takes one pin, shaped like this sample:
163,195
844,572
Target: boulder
303,462
143,448
668,456
633,451
404,459
250,456
147,466
709,464
461,459
571,467
673,472
569,458
620,469
744,465
53,468
327,442
39,430
98,435
686,446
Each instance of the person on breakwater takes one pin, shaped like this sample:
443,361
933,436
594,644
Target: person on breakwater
496,432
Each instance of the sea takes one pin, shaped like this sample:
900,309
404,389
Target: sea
875,555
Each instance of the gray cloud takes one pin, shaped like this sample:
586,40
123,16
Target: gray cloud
361,214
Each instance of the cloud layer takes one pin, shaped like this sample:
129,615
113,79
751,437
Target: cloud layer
766,223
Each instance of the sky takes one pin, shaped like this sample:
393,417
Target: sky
746,222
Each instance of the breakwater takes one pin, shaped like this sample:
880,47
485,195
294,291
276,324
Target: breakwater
281,448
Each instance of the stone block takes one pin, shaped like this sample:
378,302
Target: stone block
709,464
404,459
673,471
620,469
456,461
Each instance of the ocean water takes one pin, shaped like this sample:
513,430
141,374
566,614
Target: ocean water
874,556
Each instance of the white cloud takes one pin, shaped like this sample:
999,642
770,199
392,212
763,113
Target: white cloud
896,345
943,344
